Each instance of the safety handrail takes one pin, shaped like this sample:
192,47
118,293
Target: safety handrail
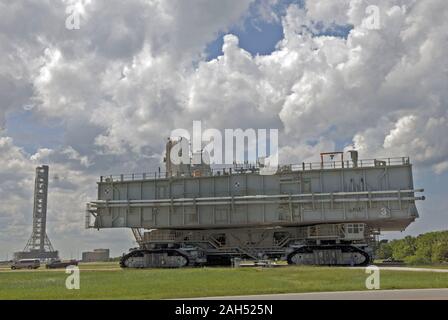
348,164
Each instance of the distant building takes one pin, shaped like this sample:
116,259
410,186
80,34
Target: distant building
97,255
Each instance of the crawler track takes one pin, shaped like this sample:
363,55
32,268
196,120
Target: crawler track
309,250
160,258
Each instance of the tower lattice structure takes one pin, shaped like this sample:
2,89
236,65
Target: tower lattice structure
39,240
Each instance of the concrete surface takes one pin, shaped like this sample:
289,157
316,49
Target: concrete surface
408,294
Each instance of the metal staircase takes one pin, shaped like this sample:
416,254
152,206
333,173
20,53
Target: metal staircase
138,235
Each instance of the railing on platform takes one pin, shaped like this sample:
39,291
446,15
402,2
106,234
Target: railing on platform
244,169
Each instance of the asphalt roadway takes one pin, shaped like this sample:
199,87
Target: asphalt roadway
408,294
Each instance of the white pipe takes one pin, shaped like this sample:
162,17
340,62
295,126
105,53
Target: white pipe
120,204
257,197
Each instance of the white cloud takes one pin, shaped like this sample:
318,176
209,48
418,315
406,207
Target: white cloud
328,11
136,70
42,155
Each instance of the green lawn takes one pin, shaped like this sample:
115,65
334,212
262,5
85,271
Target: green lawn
182,283
435,266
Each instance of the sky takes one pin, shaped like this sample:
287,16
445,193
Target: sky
102,99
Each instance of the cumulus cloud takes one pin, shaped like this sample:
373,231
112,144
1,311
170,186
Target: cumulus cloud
112,86
372,88
329,12
137,70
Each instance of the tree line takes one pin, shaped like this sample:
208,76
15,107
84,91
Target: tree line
428,248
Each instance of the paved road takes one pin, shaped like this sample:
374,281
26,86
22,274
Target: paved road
408,269
414,294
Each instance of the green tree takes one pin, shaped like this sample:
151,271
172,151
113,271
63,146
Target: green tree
403,248
384,251
427,248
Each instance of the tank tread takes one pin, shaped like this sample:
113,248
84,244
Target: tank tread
157,258
343,248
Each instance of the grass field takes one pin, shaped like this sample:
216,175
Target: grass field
107,281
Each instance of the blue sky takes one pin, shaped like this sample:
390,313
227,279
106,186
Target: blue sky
31,132
64,91
260,37
256,35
